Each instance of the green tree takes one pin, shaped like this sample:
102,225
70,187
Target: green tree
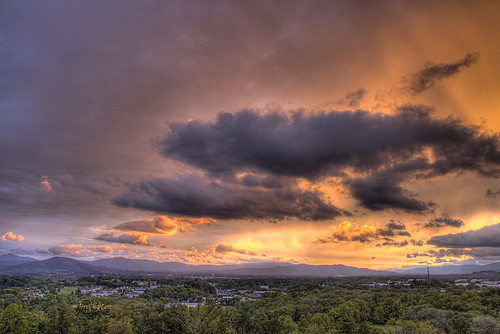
409,327
13,320
483,324
121,312
287,325
439,319
319,323
205,319
148,321
61,319
347,316
461,322
417,327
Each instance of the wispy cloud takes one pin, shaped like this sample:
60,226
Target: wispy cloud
158,225
231,248
124,238
79,250
431,74
71,250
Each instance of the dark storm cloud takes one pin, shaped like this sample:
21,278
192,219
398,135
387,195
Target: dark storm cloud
426,78
123,238
268,181
438,222
378,194
488,236
283,146
309,144
197,197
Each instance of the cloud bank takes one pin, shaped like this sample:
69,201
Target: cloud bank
311,144
275,150
488,236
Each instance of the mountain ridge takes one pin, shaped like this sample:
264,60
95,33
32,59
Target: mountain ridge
63,265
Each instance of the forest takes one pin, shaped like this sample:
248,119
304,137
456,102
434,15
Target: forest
222,305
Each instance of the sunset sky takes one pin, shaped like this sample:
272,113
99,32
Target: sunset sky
363,133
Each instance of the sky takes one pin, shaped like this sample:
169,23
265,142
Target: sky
323,132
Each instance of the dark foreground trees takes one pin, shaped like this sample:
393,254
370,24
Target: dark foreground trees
291,308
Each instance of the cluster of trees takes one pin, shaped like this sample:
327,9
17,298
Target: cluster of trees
303,306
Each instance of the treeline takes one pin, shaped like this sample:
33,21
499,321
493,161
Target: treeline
298,306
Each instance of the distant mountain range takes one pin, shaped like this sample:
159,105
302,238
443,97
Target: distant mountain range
11,259
13,264
247,269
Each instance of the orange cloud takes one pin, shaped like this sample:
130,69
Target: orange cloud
101,249
72,250
45,183
347,231
142,239
387,235
122,249
12,236
186,224
186,228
